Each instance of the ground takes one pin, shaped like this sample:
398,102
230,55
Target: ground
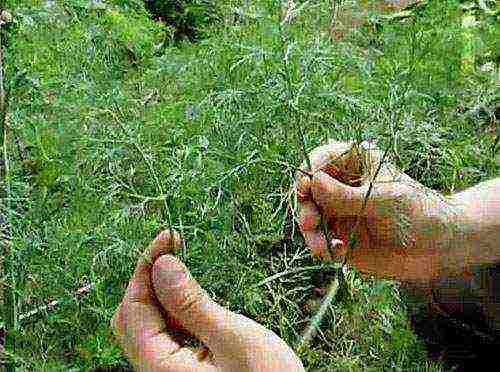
117,133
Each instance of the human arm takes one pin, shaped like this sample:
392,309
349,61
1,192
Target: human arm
403,230
476,240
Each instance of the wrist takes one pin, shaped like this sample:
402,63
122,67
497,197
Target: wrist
470,236
437,235
453,246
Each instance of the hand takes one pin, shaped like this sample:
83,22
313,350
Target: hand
163,304
397,229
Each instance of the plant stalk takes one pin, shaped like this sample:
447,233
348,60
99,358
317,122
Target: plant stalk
301,139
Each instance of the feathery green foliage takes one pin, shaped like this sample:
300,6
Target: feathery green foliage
113,141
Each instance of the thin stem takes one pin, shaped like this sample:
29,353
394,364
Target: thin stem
53,304
313,326
144,197
299,130
294,271
296,118
379,167
148,164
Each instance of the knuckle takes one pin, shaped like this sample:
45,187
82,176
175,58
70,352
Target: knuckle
302,187
309,220
192,299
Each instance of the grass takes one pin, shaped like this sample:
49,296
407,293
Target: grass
114,136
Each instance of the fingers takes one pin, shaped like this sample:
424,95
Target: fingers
324,154
138,321
139,329
183,298
310,216
335,198
183,360
139,288
238,343
310,227
321,200
309,219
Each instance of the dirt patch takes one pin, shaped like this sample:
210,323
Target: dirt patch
346,19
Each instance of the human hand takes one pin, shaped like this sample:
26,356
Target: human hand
163,304
398,224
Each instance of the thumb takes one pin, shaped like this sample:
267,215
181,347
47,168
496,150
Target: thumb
336,198
182,297
238,343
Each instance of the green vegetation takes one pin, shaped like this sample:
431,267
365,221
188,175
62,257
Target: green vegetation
183,19
115,134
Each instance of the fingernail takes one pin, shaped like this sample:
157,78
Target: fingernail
337,243
302,196
163,235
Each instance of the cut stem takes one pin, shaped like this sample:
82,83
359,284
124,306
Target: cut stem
315,322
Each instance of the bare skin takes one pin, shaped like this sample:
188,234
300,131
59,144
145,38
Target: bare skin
403,231
162,299
406,231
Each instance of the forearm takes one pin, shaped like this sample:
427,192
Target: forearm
481,203
475,236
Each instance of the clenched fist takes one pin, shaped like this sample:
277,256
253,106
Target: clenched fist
392,225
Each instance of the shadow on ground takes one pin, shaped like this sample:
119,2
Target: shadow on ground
462,339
